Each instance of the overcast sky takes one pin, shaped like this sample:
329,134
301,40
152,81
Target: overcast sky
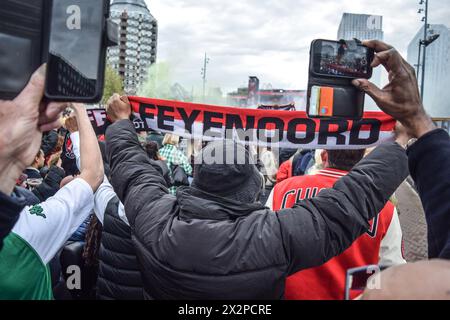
269,39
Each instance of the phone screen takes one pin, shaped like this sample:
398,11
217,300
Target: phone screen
337,58
75,47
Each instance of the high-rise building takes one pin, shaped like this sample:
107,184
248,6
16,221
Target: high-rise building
138,42
437,69
362,27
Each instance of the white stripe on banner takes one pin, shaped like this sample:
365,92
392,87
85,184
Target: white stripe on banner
329,143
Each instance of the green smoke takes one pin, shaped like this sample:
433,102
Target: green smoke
158,83
161,84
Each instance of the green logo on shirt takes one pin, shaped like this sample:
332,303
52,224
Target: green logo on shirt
37,210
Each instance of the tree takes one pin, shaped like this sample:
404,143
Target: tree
113,83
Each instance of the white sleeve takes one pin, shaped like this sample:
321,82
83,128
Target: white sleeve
269,202
104,193
47,226
122,214
75,138
391,245
102,197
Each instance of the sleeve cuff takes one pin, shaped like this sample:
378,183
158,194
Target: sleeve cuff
419,153
431,137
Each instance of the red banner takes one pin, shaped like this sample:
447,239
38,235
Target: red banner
285,129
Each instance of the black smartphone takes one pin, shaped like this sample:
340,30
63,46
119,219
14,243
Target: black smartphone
341,59
21,52
76,50
333,65
71,36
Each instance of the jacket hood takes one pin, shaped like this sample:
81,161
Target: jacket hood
197,204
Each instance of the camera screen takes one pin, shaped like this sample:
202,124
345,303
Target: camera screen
340,59
75,47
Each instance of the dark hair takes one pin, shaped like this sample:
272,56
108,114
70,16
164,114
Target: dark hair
92,242
152,149
344,159
39,153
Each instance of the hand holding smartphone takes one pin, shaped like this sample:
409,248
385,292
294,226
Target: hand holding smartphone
71,36
333,65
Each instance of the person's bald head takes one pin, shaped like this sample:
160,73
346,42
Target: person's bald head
425,280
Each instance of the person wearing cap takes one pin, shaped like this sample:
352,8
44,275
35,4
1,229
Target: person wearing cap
214,239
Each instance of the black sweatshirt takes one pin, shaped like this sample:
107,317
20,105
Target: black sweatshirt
10,208
429,164
202,246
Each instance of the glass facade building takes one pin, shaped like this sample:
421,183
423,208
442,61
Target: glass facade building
362,27
437,69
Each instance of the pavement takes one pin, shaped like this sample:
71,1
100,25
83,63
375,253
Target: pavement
412,219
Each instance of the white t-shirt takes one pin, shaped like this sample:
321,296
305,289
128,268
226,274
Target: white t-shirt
47,226
104,193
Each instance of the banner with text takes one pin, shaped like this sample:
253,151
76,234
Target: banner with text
285,129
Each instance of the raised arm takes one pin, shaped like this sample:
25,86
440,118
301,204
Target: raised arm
91,163
429,163
429,156
22,122
319,229
105,192
47,226
136,178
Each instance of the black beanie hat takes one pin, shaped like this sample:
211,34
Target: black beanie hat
225,168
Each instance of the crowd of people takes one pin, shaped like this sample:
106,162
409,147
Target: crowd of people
142,218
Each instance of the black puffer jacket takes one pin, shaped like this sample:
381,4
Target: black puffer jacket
198,246
429,161
119,277
50,185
